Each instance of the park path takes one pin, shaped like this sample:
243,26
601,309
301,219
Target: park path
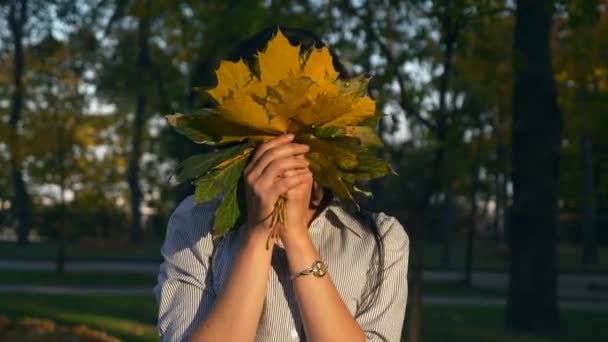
469,301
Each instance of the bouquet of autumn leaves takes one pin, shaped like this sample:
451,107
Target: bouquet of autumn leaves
290,91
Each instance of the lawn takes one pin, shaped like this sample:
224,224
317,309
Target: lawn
132,319
466,324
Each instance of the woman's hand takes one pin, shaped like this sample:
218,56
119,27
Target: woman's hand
251,267
265,178
297,211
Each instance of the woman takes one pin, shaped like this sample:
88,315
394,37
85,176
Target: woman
333,275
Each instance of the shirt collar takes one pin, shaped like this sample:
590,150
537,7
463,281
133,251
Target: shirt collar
345,217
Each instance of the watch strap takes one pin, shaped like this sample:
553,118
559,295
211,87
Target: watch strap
310,270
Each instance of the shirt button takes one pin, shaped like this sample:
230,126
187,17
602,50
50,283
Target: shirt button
294,334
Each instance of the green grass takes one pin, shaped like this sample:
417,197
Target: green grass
133,319
130,318
465,324
80,279
458,289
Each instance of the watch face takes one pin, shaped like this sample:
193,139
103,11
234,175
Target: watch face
319,269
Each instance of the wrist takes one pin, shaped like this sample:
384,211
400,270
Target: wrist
301,252
295,237
258,236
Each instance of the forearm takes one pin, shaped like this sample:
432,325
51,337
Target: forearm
324,315
236,312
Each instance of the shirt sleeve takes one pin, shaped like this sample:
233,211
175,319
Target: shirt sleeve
183,292
384,320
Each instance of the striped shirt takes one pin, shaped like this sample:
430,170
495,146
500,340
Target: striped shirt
194,271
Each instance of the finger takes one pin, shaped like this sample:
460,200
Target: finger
279,152
282,139
287,183
292,172
279,166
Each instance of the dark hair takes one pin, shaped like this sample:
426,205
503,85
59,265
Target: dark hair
247,50
249,47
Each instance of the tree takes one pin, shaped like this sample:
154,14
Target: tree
532,295
483,79
137,81
17,19
583,90
142,66
27,23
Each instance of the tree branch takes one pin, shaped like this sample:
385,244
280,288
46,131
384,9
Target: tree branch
400,80
468,18
408,109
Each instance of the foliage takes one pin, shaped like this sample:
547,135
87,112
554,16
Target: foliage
582,95
289,91
100,219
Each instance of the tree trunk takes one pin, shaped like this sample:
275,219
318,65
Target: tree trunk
500,184
590,251
60,264
21,203
133,173
449,32
468,278
416,267
447,227
536,136
437,179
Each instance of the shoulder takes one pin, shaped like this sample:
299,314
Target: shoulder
392,232
184,208
192,219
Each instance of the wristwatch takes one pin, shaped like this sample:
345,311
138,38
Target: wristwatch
318,269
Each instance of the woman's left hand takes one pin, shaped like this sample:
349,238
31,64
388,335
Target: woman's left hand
297,211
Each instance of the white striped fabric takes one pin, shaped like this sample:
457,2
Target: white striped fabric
193,272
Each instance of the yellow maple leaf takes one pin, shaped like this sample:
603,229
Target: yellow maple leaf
319,67
230,76
279,60
246,111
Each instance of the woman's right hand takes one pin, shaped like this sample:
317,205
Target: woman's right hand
265,180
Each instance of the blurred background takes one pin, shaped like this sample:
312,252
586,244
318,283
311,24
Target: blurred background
496,121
